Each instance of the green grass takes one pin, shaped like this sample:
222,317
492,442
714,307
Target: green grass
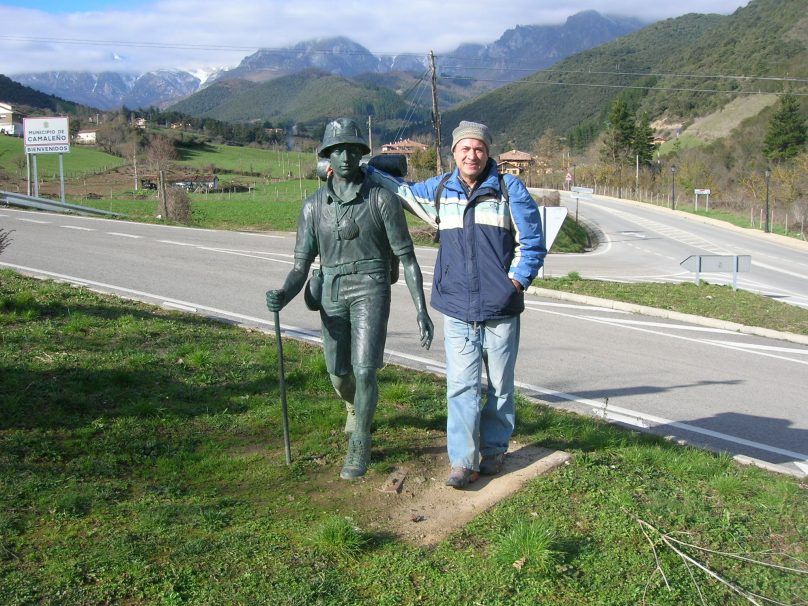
141,463
78,162
227,158
707,300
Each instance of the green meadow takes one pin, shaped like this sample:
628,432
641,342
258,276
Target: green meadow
141,463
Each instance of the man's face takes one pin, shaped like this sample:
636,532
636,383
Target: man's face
471,156
344,159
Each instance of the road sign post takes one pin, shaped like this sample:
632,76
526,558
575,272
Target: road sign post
581,193
702,192
47,136
718,263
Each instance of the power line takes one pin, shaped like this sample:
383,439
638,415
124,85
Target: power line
621,73
621,86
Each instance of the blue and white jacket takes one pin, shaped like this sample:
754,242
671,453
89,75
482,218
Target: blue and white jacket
484,242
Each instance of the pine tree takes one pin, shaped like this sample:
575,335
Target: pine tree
619,135
787,131
643,141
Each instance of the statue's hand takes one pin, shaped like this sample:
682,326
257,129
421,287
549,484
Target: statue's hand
426,328
276,299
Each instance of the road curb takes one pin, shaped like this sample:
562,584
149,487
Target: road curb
668,314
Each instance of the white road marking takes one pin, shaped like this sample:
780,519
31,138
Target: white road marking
667,325
574,306
116,233
790,350
34,221
736,347
176,243
77,227
646,421
179,306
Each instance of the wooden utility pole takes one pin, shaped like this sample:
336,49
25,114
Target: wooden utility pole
435,113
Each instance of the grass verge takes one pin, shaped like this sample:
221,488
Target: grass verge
706,300
141,462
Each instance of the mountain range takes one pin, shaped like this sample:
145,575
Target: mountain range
519,51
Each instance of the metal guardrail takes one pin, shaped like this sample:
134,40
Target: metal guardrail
12,199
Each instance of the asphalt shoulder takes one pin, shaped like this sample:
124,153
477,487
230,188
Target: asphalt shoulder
667,314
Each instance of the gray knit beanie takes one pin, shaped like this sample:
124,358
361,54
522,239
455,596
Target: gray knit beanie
472,130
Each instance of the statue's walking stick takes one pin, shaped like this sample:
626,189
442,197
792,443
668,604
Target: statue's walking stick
282,384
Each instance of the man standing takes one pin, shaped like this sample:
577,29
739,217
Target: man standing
354,227
491,249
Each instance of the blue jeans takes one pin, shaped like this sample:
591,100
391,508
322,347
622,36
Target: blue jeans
473,430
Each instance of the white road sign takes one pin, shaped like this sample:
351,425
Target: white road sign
718,263
46,135
552,218
584,193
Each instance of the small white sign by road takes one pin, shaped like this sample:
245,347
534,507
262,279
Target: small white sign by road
718,263
583,193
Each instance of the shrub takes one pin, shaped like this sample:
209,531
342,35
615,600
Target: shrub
178,205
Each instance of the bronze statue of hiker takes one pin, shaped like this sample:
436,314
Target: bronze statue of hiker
356,228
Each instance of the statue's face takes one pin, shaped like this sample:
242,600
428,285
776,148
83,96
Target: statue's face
344,159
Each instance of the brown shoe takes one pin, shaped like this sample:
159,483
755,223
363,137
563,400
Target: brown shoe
492,465
460,477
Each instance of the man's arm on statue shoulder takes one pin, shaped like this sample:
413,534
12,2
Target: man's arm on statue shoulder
417,198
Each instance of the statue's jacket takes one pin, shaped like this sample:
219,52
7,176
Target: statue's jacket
356,237
485,241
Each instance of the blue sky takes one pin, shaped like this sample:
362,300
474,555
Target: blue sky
197,35
66,6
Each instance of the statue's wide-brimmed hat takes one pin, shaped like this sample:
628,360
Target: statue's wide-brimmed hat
341,131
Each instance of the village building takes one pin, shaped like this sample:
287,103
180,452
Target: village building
191,183
86,137
407,147
10,121
514,162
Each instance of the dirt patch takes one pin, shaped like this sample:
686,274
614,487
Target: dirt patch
721,123
425,511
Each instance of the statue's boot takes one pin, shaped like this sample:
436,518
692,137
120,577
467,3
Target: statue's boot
350,419
345,386
358,457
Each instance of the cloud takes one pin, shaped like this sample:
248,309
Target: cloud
194,34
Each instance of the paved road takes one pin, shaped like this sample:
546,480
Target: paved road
729,391
641,242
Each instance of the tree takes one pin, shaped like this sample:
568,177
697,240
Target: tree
161,152
618,139
424,161
548,150
787,132
643,141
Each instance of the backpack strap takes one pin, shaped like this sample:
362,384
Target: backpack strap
438,194
506,197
